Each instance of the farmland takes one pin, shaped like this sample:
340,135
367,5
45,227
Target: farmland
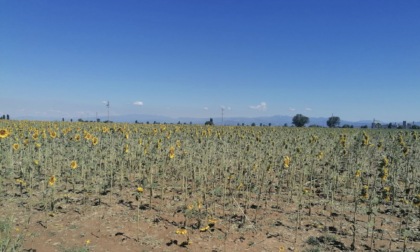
136,187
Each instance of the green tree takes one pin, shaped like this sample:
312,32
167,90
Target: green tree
333,121
209,122
300,120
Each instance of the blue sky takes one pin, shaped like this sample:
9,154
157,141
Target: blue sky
354,59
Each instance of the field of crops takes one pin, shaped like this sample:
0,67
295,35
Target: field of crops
136,187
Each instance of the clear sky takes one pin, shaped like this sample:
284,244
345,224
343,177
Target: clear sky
357,59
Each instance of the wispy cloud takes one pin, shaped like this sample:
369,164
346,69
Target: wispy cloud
292,109
262,106
225,108
138,103
206,108
308,109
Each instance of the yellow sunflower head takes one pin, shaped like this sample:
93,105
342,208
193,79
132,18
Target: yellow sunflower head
95,141
73,164
4,133
53,134
15,146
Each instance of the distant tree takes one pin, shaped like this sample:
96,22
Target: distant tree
253,124
261,124
71,119
80,120
415,127
285,125
300,120
62,119
364,127
333,121
136,122
269,124
3,117
98,119
7,117
347,126
210,122
147,122
389,125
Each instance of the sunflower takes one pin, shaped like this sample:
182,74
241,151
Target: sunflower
87,136
53,134
95,141
15,146
286,162
365,192
52,180
126,149
140,189
73,164
204,229
181,231
320,155
171,152
35,136
4,133
77,137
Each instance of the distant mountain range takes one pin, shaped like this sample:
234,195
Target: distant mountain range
277,120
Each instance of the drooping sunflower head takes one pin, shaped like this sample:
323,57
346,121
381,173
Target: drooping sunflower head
172,152
286,162
52,180
126,149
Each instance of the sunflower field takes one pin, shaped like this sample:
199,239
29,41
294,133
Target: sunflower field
214,187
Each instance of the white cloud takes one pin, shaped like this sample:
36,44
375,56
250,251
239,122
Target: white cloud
206,108
292,109
225,108
138,103
262,106
308,109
